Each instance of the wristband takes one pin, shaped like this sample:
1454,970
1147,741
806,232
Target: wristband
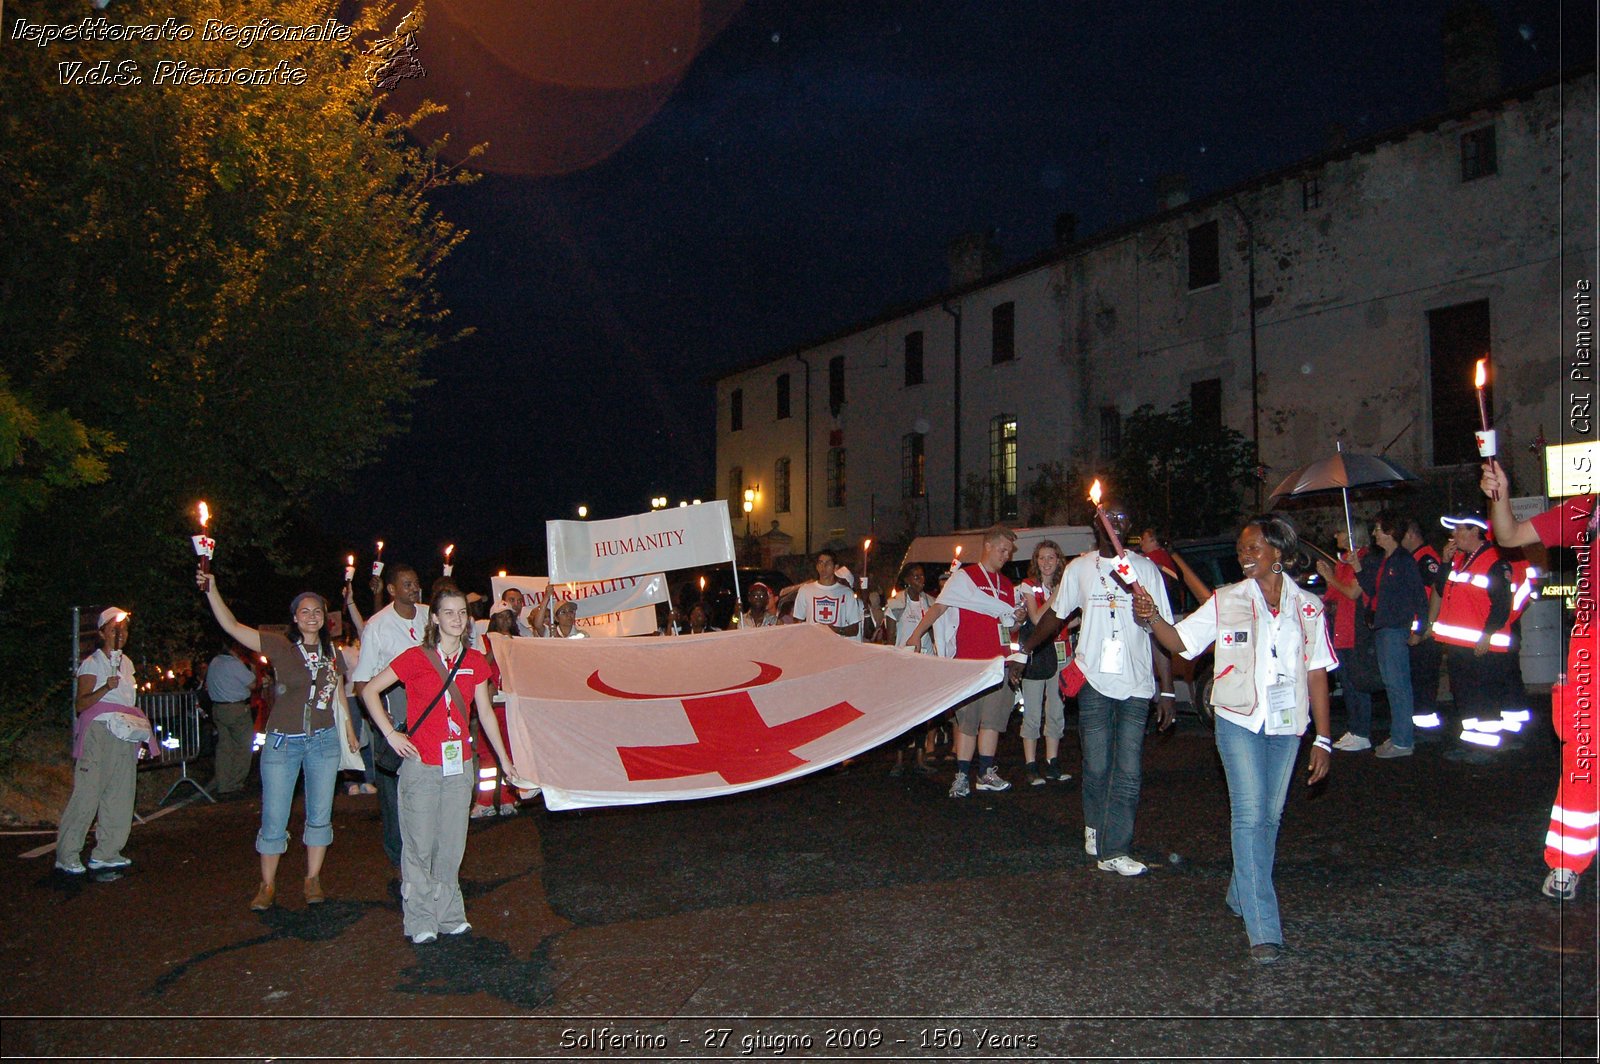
1323,742
1168,694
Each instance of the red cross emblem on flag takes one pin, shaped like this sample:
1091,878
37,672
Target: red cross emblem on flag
204,546
734,741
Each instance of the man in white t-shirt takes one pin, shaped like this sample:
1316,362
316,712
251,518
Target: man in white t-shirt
390,632
1120,667
827,601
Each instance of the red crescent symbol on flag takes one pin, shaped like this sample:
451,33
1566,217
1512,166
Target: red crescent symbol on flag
766,674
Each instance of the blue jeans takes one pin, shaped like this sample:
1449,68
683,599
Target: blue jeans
281,765
1259,767
1111,731
1394,663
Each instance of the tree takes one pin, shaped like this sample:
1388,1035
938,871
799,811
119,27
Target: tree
237,281
1184,476
42,452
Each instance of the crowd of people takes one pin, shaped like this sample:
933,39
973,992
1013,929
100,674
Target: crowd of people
405,701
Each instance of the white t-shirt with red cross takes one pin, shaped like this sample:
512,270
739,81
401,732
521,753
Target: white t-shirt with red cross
835,605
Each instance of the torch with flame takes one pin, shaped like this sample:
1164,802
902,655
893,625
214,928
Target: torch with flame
448,568
349,568
1484,437
377,560
204,545
955,563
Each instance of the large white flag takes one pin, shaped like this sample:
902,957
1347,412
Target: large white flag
656,542
621,722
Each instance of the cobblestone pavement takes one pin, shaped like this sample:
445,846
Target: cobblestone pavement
846,914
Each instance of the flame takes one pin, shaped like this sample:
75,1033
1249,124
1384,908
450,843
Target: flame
205,514
702,583
380,548
119,618
958,550
448,551
866,546
349,559
502,572
1481,377
1094,492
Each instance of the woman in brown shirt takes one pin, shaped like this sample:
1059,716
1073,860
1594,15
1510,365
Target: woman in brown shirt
301,733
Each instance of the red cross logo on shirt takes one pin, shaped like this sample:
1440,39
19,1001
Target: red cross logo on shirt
734,741
1227,639
1309,610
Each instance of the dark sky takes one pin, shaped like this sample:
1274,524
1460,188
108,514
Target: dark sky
808,173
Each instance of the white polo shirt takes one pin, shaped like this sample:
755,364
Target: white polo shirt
1089,584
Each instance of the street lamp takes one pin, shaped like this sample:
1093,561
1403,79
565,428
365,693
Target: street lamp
583,511
750,496
658,502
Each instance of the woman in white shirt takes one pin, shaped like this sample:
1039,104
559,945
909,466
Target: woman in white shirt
106,734
1271,680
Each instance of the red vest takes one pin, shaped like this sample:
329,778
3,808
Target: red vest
1465,608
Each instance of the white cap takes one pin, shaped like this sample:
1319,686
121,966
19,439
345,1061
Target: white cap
109,614
844,576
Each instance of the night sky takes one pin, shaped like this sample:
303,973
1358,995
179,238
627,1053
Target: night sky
807,173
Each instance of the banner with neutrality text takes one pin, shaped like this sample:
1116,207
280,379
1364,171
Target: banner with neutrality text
621,607
657,542
622,722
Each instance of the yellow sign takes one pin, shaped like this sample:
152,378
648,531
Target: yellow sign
1571,468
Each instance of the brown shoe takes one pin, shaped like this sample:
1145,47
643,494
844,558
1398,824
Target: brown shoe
264,898
314,895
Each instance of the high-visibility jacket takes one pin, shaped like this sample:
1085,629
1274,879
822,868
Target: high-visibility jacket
1464,610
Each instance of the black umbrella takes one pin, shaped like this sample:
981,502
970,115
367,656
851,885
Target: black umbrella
1340,473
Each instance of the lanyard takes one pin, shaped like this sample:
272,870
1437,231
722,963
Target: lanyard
993,587
1111,594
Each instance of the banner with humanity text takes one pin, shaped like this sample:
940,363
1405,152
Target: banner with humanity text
628,721
621,607
657,542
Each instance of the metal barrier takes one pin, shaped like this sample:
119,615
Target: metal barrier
175,716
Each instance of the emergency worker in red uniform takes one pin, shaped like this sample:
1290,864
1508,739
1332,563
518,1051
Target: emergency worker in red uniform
1425,654
1571,841
1471,619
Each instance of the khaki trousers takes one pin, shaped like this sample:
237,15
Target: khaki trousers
102,794
236,736
433,839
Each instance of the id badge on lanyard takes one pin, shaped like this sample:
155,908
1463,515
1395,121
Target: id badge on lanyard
450,751
1280,694
1112,656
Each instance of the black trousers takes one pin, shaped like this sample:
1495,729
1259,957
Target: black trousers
1425,658
1483,686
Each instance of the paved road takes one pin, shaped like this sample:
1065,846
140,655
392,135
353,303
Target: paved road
848,914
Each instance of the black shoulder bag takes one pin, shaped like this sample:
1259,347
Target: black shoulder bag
385,757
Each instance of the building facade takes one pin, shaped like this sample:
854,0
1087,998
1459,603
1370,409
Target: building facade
1378,272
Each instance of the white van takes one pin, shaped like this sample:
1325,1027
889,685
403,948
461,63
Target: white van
939,551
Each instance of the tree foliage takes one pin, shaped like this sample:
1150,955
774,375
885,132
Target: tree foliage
1180,475
235,281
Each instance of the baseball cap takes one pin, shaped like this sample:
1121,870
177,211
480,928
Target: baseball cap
1473,518
109,614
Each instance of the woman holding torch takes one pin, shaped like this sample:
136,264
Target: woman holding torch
301,733
1272,665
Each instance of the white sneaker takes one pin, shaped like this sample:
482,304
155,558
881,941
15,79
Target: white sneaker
1351,742
992,781
481,811
422,938
1091,843
72,866
460,929
1123,865
1562,884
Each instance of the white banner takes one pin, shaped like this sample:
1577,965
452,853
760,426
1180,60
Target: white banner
621,607
657,542
622,722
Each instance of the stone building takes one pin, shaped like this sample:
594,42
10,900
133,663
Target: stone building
1378,272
